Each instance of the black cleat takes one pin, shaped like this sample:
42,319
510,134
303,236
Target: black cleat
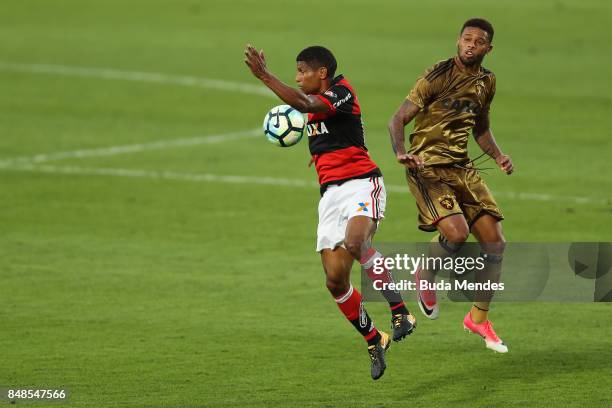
403,325
377,355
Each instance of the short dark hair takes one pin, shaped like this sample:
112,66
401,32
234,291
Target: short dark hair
480,23
317,57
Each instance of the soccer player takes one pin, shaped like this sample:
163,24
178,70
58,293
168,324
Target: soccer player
352,190
449,101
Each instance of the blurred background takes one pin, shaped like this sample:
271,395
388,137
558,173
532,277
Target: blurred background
156,250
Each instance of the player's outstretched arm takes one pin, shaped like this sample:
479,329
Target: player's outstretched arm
404,115
486,141
256,62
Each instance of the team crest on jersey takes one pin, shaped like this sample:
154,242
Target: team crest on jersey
330,94
447,201
363,207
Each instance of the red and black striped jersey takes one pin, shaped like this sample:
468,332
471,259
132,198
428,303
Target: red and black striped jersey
336,138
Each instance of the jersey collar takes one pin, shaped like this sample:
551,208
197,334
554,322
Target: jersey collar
334,82
337,79
480,72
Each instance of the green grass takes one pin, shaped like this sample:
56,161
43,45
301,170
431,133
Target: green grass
164,293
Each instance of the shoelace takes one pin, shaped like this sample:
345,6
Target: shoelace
372,352
489,331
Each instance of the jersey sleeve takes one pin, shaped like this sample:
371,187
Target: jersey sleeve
490,95
339,99
424,91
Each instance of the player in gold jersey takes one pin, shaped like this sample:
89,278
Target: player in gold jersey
451,100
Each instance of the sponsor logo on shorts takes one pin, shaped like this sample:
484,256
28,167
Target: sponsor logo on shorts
447,202
363,206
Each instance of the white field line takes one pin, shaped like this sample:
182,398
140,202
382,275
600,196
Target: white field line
166,175
116,74
525,196
271,181
132,148
138,76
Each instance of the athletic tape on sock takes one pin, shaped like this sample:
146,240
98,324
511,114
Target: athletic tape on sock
492,258
450,247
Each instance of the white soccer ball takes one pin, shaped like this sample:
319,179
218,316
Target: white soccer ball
284,125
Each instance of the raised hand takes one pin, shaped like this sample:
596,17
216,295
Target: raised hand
256,61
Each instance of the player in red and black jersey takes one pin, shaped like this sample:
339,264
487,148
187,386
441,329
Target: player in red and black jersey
352,190
336,137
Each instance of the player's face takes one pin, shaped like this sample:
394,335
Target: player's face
473,45
309,79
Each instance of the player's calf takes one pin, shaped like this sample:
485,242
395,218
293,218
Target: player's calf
440,247
402,322
351,306
491,273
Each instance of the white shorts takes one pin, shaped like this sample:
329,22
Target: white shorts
341,203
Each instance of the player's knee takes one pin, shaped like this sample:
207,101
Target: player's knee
336,285
457,235
355,246
501,243
495,245
448,246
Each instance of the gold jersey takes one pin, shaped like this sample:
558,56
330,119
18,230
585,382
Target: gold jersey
451,100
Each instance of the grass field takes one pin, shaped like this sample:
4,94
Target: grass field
180,271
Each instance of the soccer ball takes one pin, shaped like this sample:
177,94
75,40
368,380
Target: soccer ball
284,126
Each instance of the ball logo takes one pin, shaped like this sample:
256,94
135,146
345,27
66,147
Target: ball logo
277,117
284,125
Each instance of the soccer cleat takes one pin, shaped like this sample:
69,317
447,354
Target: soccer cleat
485,330
377,355
426,299
402,325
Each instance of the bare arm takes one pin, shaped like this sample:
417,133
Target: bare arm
486,141
256,62
404,115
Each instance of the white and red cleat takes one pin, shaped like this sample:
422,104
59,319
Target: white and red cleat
485,330
426,299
